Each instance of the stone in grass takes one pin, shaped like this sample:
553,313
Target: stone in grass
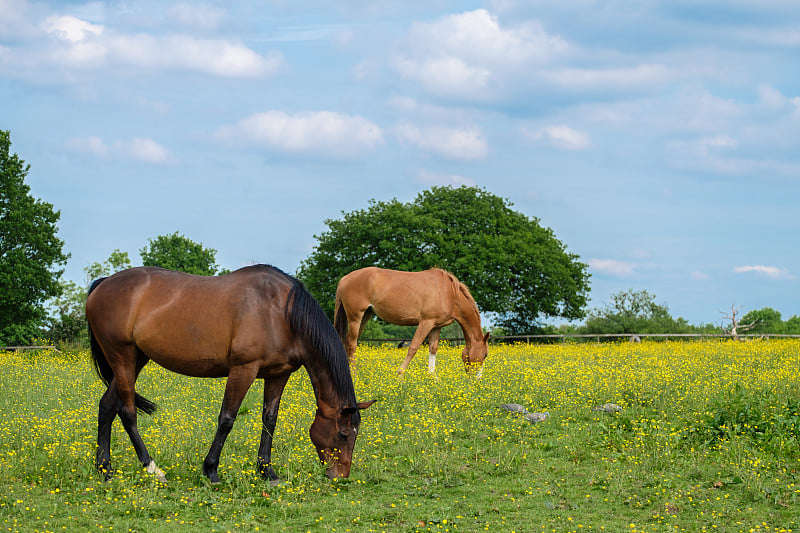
608,408
536,417
514,408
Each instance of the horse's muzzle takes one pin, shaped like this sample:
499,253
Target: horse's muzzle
338,470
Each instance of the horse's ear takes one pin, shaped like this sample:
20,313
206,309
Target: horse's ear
350,411
486,337
364,405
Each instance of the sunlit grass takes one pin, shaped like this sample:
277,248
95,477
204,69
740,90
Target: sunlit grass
708,439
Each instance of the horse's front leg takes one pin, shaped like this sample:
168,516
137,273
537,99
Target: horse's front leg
239,380
273,389
422,331
433,347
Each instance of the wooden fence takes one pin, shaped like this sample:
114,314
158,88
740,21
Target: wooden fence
601,337
24,348
537,339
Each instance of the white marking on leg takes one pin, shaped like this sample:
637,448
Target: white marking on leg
156,471
480,373
431,362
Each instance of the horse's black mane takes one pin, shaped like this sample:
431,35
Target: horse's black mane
309,321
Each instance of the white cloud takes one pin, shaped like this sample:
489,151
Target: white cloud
453,143
71,29
71,44
774,100
426,177
769,271
690,111
612,267
560,136
92,145
771,97
145,150
446,75
463,54
136,149
321,132
730,137
623,78
699,275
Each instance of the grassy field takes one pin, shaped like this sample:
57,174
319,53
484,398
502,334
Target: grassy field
708,439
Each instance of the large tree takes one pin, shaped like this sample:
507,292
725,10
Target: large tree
31,256
177,252
765,320
634,312
516,269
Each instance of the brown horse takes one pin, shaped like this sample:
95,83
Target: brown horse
429,300
257,322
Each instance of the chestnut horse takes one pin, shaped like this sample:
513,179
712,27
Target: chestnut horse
429,300
256,322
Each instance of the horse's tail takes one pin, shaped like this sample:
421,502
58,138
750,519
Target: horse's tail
340,318
104,370
101,365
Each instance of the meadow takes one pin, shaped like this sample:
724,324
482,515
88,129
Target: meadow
708,439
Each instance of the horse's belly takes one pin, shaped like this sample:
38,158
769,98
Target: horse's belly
192,359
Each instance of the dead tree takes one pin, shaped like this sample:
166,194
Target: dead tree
736,328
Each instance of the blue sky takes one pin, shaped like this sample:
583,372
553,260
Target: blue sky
660,140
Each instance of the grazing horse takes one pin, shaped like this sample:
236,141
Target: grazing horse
429,300
256,322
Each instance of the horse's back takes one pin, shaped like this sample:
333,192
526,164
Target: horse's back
397,296
196,325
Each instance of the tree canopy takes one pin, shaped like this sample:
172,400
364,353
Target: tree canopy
634,312
68,321
769,320
31,254
516,269
117,260
177,252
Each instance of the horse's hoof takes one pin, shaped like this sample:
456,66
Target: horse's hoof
212,475
106,472
156,471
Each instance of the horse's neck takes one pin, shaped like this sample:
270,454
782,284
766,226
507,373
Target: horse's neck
469,320
327,392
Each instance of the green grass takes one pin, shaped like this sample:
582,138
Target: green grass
708,440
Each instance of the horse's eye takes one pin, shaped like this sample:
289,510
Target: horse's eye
342,435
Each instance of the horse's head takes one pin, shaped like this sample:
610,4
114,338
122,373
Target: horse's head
475,352
334,435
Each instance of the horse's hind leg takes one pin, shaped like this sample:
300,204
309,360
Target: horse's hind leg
239,380
433,346
356,320
125,377
109,404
